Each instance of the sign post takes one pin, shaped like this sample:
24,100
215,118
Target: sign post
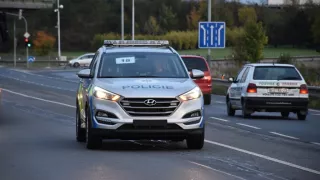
211,35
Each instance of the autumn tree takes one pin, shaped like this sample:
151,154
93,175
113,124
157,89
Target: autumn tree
249,42
151,26
44,43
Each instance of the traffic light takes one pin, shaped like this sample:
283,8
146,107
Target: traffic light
27,42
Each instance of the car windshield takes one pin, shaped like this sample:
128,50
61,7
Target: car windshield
276,73
141,64
195,63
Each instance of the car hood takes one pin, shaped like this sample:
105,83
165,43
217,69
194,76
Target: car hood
146,87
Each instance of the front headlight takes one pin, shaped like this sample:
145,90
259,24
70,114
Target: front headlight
195,93
104,94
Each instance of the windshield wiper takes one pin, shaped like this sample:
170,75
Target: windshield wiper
144,76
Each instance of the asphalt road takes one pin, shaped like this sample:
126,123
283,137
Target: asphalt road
37,141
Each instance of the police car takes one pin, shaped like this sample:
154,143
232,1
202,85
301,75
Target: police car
139,90
268,88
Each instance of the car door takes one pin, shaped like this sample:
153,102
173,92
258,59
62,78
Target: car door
234,92
243,83
84,86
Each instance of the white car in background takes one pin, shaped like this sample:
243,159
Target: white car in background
83,60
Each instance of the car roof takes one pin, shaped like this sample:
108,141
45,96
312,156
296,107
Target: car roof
269,64
137,49
195,56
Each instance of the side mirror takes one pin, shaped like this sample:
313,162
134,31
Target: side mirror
197,74
84,73
231,79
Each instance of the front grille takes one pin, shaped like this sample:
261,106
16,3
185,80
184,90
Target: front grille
137,106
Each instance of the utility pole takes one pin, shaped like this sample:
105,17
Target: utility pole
133,23
122,20
209,19
14,44
59,46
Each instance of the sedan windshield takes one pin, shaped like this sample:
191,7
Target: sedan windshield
141,64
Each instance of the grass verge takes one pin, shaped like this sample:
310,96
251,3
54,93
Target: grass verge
314,102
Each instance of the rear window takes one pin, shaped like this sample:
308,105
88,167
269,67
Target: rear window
195,63
276,73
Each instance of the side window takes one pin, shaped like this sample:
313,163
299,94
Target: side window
93,60
240,74
94,64
244,76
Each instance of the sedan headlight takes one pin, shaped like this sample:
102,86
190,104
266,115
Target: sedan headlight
104,94
195,93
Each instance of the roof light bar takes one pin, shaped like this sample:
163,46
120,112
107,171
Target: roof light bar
136,43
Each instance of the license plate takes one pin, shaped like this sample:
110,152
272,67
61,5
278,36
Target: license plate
277,90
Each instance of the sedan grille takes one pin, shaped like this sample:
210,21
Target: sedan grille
149,106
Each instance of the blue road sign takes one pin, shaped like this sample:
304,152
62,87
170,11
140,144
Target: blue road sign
212,34
31,59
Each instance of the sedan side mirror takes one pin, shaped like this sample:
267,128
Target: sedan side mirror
84,73
197,74
231,79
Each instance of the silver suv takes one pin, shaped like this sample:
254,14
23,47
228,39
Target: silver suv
139,90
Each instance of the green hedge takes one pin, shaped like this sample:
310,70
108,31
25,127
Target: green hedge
180,40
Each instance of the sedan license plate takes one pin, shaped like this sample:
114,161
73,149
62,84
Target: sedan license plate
277,90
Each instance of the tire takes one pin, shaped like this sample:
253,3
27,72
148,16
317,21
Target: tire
230,110
80,132
285,114
196,141
207,99
244,111
92,141
301,117
76,65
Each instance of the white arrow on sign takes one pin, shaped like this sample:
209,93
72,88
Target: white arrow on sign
211,27
204,34
219,33
26,35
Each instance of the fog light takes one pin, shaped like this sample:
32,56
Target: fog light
196,114
102,114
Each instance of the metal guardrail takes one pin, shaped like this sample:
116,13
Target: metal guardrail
313,90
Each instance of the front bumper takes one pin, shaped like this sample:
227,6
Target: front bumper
276,104
128,132
119,118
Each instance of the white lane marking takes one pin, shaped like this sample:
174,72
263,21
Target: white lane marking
246,125
40,99
39,75
316,114
44,85
283,135
264,157
219,102
219,119
316,143
207,167
314,110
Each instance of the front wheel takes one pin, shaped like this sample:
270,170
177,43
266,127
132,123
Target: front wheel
92,141
230,110
207,99
80,132
196,141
